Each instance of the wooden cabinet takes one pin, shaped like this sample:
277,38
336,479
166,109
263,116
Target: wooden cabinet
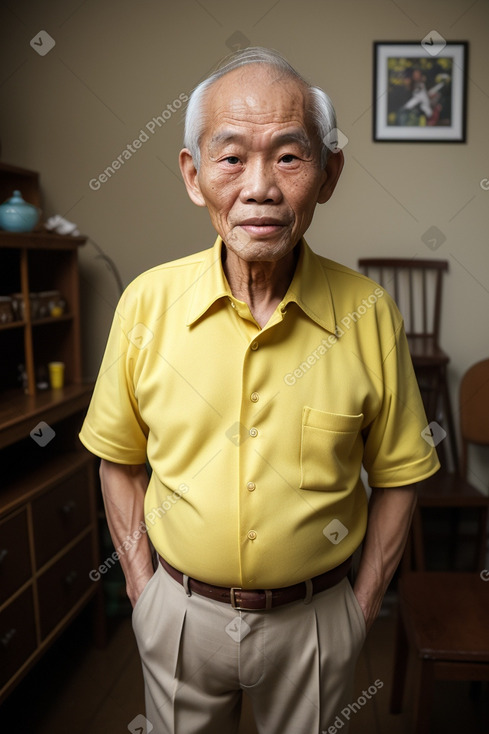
48,483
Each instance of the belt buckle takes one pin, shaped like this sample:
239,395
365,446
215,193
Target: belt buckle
234,605
234,589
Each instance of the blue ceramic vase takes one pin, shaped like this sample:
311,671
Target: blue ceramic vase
16,215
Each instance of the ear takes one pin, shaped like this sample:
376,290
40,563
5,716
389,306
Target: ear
333,169
190,177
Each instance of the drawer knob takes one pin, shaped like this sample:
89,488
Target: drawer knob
3,554
7,638
68,507
71,577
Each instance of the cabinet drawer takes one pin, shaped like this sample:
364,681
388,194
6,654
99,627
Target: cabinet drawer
15,565
60,514
17,635
62,585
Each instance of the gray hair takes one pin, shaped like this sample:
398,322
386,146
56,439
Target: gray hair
321,107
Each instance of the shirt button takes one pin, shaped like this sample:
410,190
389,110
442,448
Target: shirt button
253,432
254,397
254,346
251,535
251,486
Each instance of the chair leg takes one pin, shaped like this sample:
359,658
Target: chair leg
424,696
400,667
447,408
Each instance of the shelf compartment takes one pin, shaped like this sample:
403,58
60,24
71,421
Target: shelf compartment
13,355
56,344
60,274
10,273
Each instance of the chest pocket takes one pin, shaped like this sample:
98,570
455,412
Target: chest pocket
330,449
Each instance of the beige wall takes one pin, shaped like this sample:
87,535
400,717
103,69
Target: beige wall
117,64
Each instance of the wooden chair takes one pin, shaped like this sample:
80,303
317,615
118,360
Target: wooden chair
453,490
443,620
416,286
444,617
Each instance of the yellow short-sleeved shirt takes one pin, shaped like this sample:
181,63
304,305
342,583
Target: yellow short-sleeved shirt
256,436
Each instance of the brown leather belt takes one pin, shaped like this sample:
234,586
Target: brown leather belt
250,600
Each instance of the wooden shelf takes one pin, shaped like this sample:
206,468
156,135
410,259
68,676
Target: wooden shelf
52,320
42,476
20,413
40,239
12,325
37,322
11,169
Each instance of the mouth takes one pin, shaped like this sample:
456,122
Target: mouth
262,225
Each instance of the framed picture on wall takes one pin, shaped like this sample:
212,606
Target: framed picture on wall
420,91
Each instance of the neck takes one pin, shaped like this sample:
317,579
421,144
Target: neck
261,285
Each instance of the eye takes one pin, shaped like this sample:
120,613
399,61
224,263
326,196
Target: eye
289,158
232,160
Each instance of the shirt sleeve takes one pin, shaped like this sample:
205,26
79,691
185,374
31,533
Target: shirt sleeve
396,453
113,428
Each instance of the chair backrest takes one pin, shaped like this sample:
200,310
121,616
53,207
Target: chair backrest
474,408
415,285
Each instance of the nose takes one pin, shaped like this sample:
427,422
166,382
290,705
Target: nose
259,184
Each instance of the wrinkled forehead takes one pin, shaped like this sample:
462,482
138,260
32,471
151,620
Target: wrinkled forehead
258,95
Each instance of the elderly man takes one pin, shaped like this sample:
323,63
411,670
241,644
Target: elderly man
256,377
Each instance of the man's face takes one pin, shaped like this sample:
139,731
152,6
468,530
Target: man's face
260,175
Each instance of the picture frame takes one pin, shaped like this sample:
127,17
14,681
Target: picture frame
420,91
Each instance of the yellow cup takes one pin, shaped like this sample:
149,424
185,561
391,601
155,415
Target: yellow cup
56,374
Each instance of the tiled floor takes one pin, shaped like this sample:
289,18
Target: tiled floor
77,689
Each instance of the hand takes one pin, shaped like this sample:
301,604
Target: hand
370,608
136,588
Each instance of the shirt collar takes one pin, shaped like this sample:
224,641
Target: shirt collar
309,288
210,284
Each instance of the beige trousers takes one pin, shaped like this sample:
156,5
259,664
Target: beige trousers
296,662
